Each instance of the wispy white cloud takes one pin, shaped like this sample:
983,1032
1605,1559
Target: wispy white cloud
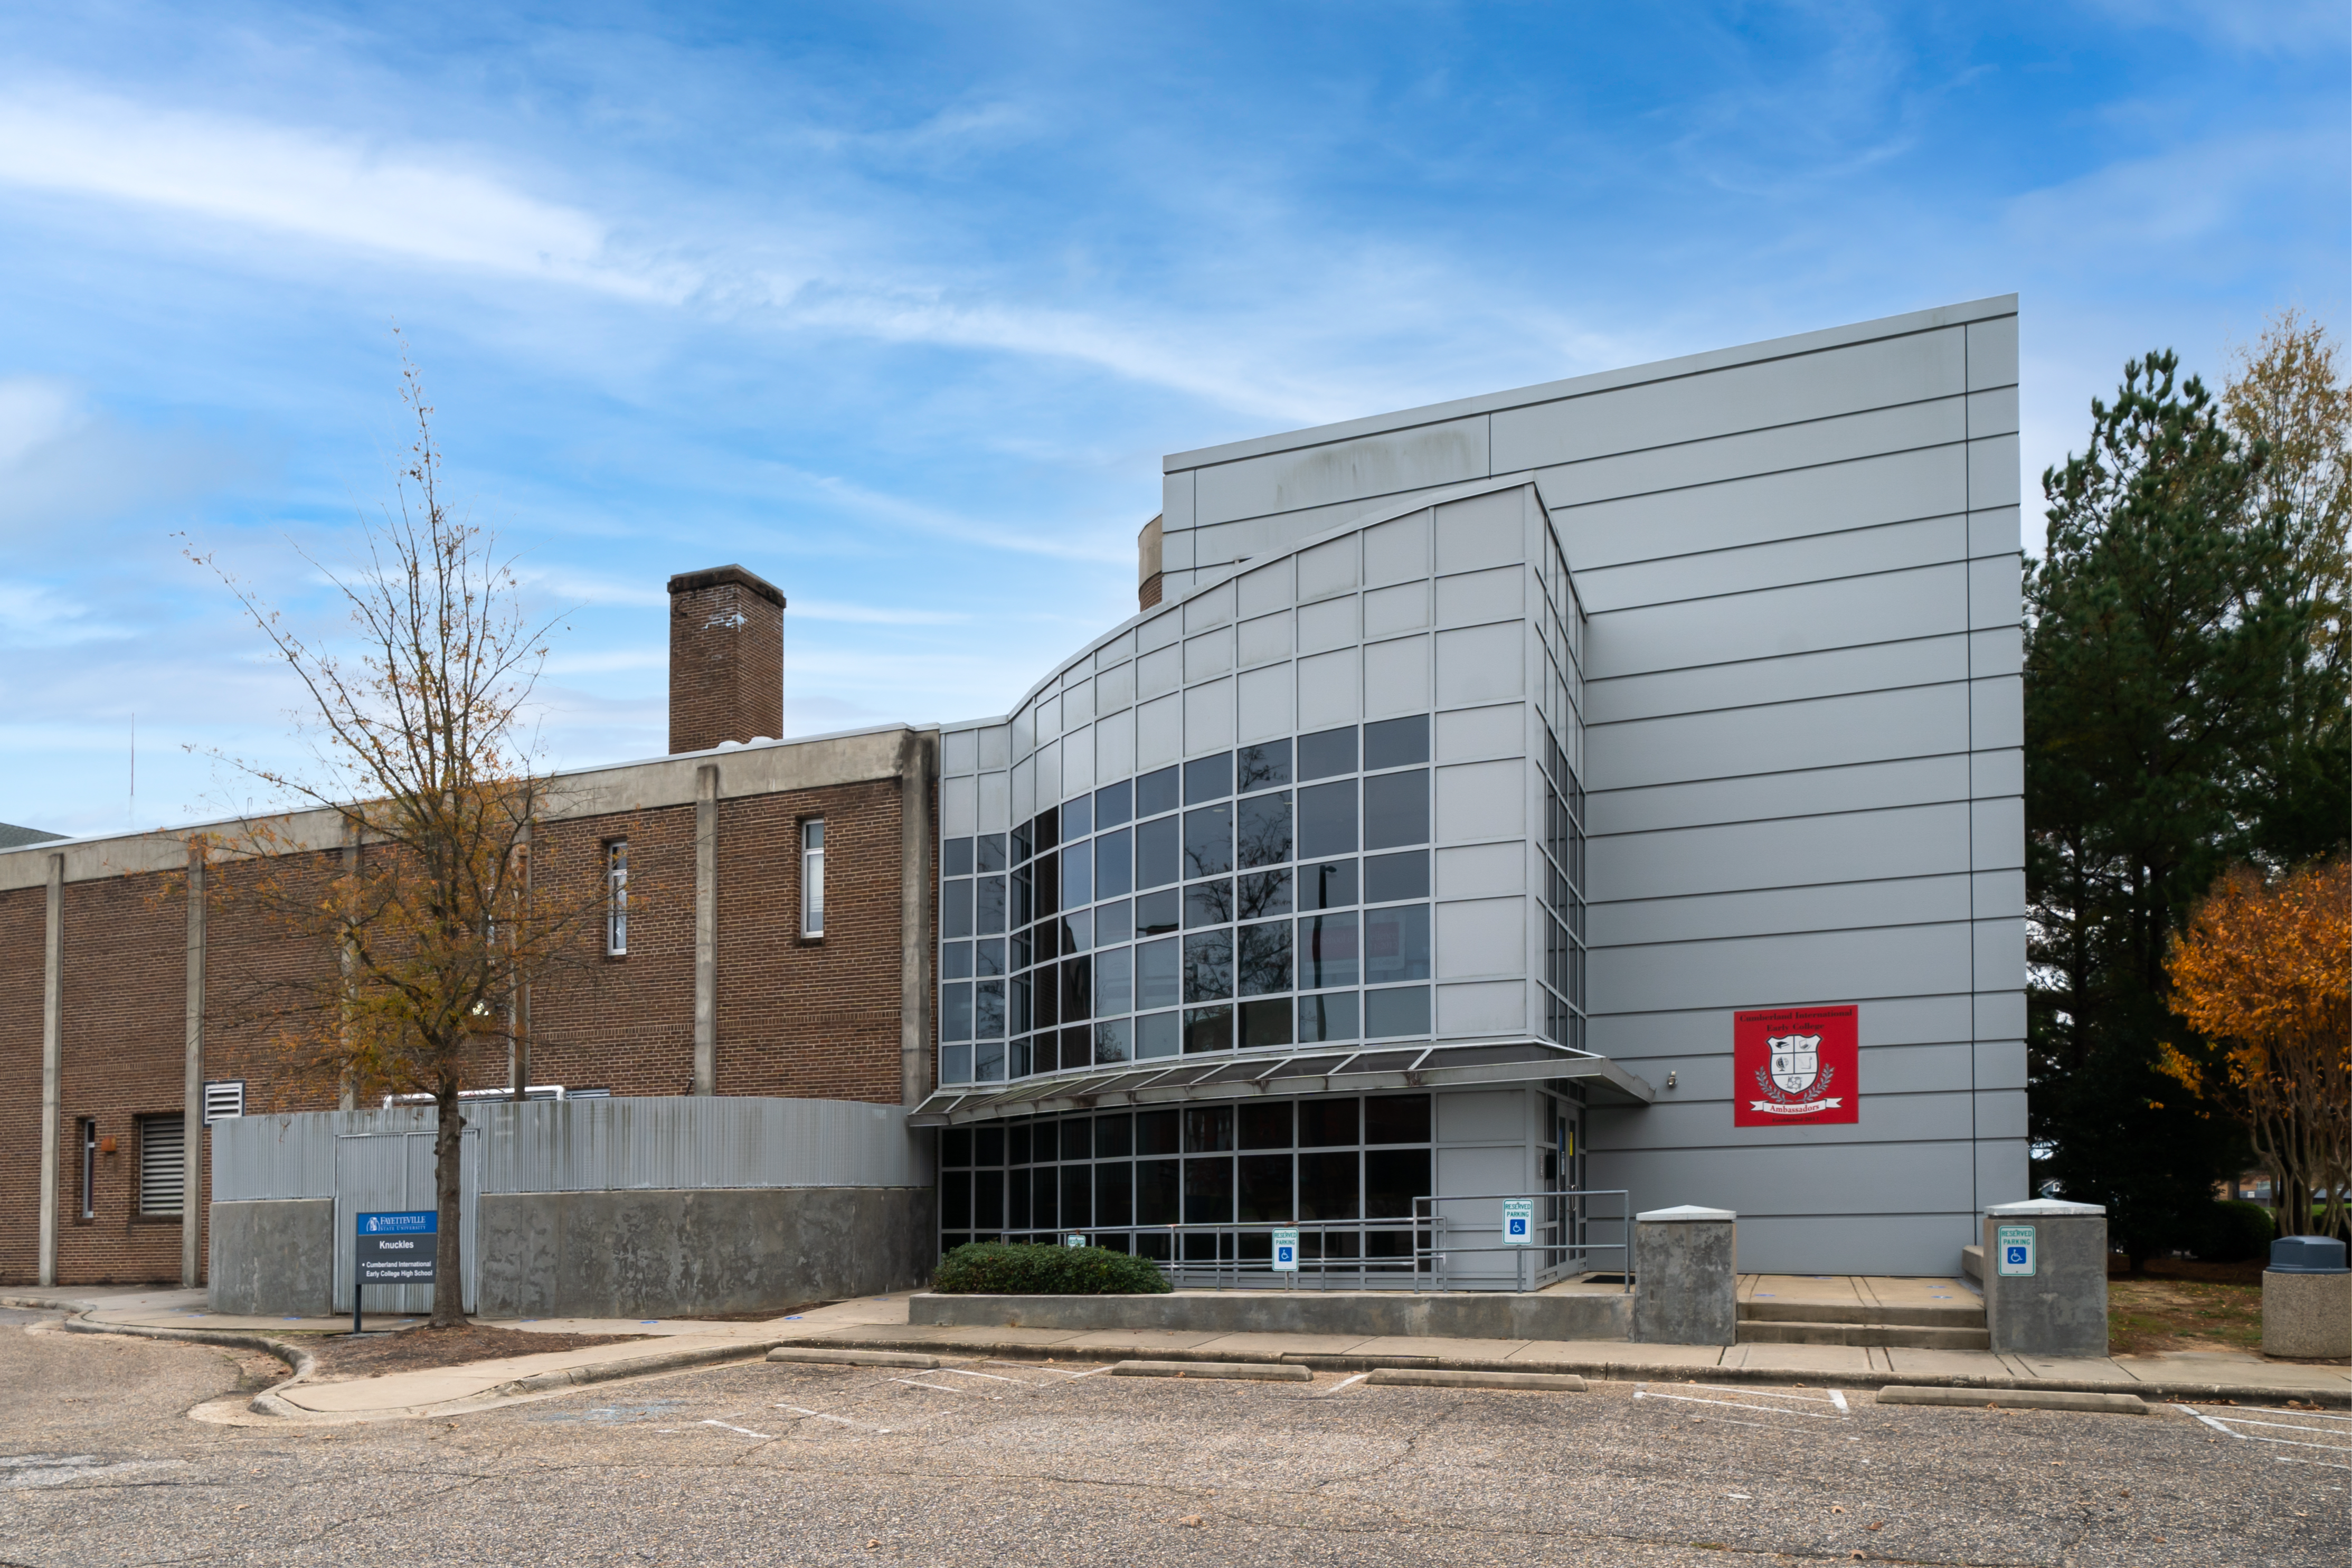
429,206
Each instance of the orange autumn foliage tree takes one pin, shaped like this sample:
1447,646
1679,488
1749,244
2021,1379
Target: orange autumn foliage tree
2264,973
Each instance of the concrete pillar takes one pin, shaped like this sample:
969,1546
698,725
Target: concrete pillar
191,1145
918,767
706,929
53,999
2307,1300
1685,1276
2045,1278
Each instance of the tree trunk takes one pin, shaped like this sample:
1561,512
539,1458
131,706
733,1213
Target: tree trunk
449,1262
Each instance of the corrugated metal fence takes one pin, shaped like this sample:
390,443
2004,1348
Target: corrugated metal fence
377,1159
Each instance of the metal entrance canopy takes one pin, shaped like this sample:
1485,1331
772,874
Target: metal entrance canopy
1230,1077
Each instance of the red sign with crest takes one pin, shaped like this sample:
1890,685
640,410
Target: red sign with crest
1795,1065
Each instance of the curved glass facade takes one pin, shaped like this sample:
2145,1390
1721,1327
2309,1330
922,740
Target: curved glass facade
1285,810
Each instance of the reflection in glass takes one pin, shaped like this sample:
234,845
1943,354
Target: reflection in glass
1327,885
1265,893
955,960
1155,793
1263,766
1114,864
992,851
1208,841
1157,1036
1046,878
1078,878
1077,818
1396,944
989,901
1156,977
1114,981
955,857
1264,961
991,953
1078,989
1209,1028
1331,1017
1209,904
988,1010
1077,930
955,909
955,1012
1208,778
1113,1041
1326,819
1262,826
1208,965
955,1064
1327,952
1113,803
1113,922
1266,1022
1158,912
1156,859
988,1061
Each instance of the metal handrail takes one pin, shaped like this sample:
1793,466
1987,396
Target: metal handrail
1441,1250
1429,1256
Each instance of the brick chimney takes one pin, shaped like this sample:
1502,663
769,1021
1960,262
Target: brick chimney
725,658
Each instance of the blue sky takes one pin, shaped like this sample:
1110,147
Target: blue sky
899,305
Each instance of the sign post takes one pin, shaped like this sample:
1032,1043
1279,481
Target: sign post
395,1248
1285,1252
1519,1230
2016,1245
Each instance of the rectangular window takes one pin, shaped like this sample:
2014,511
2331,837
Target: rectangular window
86,1138
813,878
616,897
162,1150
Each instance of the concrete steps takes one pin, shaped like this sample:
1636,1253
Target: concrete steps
1959,1326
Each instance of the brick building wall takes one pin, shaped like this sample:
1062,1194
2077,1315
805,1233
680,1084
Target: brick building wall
818,1018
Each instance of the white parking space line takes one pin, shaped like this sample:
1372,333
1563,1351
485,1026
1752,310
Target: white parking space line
2229,1425
844,1420
1838,1399
959,1371
1340,1384
763,1436
943,1388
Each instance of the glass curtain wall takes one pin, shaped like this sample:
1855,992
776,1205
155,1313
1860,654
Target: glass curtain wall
1357,1161
1274,895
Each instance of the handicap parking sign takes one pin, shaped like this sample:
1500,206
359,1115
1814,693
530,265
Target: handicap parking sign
1518,1221
2014,1251
1285,1252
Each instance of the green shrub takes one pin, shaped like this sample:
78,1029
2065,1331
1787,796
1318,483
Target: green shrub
2235,1232
1000,1268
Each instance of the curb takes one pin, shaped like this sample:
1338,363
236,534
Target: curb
1218,1371
46,1304
2339,1398
2018,1399
1440,1377
797,1356
635,1366
267,1403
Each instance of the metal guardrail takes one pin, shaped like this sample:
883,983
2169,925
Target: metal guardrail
1441,1248
1232,1256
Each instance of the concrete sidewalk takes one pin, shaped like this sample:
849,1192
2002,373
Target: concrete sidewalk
880,1323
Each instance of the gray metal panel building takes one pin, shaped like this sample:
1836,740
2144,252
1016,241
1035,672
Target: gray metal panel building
1765,601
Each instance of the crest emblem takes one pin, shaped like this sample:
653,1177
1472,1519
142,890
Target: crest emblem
1796,1061
1795,1065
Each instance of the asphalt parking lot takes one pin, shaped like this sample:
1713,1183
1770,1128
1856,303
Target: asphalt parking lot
1032,1463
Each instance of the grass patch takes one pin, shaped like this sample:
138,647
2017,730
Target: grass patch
2182,1306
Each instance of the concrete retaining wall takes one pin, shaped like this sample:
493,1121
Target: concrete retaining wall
273,1257
682,1253
1483,1314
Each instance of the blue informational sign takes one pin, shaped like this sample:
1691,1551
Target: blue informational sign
1518,1222
406,1222
2015,1244
397,1248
